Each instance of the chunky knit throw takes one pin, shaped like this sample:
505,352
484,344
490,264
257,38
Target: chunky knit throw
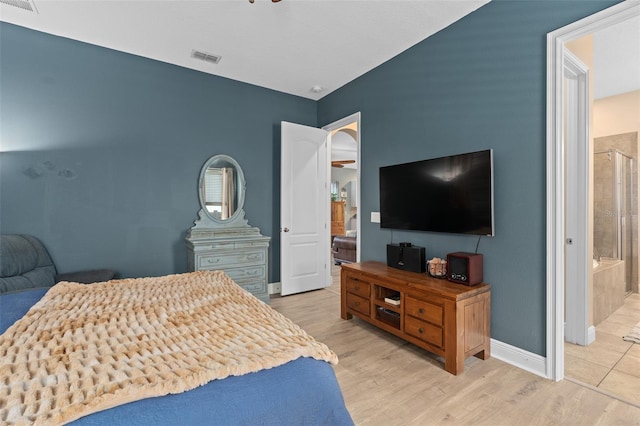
86,348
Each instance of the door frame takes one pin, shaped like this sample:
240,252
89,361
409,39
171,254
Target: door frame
577,238
556,193
355,117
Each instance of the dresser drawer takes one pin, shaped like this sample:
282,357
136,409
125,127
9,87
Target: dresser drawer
361,288
358,303
423,310
236,245
247,273
254,287
423,330
220,260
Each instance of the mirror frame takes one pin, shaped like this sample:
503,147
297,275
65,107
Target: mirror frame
241,188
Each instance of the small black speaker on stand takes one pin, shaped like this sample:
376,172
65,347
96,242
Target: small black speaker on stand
464,268
406,256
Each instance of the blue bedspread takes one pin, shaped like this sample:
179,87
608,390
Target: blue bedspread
301,392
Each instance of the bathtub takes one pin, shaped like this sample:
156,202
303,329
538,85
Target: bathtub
608,288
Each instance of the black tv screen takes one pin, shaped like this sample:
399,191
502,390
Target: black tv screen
451,194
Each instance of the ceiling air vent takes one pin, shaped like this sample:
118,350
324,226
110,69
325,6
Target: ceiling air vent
27,5
203,56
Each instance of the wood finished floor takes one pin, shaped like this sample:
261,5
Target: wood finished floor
386,381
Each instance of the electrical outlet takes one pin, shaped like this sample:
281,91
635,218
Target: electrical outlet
375,217
274,288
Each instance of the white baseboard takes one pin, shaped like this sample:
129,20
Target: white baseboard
591,335
520,358
517,357
274,288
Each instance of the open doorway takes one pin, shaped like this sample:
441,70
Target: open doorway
344,191
611,302
571,252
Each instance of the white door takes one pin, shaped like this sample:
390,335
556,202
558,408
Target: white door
304,209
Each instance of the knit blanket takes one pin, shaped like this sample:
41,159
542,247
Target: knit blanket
86,348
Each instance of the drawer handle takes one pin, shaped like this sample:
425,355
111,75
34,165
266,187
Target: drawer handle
213,261
421,330
252,272
253,256
356,288
356,304
421,311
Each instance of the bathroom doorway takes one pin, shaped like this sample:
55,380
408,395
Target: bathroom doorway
610,299
610,363
606,159
558,241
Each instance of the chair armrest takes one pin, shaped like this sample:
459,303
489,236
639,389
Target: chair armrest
87,277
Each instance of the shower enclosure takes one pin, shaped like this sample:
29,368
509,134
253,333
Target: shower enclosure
615,212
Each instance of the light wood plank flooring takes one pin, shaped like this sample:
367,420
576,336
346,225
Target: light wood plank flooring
387,381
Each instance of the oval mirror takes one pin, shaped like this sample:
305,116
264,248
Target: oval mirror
221,188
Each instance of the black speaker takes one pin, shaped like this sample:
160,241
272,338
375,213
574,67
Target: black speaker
406,257
464,268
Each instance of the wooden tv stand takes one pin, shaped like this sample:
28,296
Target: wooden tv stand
448,319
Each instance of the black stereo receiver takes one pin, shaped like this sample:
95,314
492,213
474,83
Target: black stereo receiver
406,256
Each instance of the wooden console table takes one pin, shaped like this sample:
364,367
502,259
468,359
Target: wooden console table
448,319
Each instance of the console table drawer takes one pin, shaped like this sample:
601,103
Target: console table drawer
424,310
220,260
424,331
358,287
358,303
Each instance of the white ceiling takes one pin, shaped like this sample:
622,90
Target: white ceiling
290,46
344,147
616,59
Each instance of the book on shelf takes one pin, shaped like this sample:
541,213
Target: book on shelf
393,300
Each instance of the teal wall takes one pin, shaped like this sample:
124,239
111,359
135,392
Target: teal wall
478,84
101,151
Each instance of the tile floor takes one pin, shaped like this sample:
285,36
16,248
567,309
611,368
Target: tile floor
610,363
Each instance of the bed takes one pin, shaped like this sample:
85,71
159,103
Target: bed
288,380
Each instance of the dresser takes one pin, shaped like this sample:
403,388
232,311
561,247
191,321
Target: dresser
337,218
221,238
242,254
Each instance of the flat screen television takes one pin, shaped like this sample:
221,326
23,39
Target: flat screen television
452,194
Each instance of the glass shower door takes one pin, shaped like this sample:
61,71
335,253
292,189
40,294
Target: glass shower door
615,211
605,211
627,215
